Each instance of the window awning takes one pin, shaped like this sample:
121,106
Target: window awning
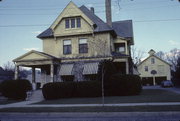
66,69
90,68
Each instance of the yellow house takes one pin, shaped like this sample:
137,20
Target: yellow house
75,44
153,69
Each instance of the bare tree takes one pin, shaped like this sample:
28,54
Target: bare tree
172,57
9,66
136,55
100,48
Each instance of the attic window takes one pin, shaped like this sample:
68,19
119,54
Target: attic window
78,22
152,61
67,23
73,22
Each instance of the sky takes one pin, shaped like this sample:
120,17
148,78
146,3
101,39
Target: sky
156,23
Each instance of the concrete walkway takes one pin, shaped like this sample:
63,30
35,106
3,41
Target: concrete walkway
36,96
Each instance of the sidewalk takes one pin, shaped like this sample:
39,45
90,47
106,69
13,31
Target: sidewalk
30,104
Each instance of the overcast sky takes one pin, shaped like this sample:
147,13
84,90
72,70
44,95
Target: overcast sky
156,23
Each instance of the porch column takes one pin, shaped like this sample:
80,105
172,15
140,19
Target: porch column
16,75
127,67
52,73
34,78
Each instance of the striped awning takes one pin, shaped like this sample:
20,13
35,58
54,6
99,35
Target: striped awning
90,68
66,69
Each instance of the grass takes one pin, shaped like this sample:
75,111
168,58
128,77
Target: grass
4,102
147,95
96,109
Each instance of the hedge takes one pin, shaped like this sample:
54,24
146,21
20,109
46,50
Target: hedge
15,89
121,85
58,90
71,89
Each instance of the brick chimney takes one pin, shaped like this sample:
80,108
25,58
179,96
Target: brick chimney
108,12
92,9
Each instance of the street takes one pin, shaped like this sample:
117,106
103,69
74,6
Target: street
113,116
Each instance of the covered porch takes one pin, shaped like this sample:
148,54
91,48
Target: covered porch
34,59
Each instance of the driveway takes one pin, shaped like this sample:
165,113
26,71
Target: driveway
173,89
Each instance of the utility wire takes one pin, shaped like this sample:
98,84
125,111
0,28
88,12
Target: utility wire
160,20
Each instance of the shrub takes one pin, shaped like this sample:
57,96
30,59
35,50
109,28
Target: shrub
120,85
71,89
15,89
58,90
88,89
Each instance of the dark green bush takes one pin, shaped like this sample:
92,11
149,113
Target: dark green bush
88,89
15,89
121,85
71,89
58,90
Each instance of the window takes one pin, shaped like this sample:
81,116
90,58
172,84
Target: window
67,23
73,23
78,22
146,68
83,46
67,46
152,61
120,47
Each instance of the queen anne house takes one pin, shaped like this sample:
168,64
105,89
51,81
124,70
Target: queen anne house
75,44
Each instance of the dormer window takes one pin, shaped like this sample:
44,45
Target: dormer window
78,22
67,23
73,22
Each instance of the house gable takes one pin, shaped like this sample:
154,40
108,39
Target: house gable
153,56
71,11
33,55
160,66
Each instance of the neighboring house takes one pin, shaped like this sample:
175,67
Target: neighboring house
153,70
75,44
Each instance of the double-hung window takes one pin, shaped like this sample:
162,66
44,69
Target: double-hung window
67,47
146,68
83,46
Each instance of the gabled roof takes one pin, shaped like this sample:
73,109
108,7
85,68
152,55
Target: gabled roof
121,28
100,25
41,55
155,57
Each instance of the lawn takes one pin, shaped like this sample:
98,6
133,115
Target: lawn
3,102
147,95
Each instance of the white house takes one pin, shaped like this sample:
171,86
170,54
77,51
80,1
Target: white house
153,69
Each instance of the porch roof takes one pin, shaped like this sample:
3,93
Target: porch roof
33,58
